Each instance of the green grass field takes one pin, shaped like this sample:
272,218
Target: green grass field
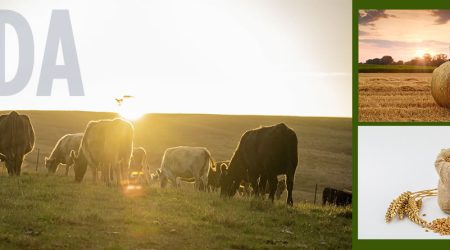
372,68
53,212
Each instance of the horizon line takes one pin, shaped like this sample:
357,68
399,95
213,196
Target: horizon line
169,113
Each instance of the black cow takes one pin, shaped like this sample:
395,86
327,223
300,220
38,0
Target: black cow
214,175
336,197
263,154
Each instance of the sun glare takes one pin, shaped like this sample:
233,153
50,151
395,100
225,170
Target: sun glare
420,52
130,110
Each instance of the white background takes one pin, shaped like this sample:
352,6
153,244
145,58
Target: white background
392,160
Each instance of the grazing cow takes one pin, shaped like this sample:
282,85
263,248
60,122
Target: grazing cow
138,171
263,154
186,163
336,197
244,188
16,140
214,175
138,160
106,146
61,152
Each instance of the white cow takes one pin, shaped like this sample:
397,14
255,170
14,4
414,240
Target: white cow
61,153
186,163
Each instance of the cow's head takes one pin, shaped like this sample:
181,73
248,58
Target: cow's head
13,158
225,180
230,179
79,165
51,165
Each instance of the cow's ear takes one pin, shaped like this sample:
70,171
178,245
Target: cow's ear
223,167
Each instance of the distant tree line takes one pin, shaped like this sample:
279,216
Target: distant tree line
425,60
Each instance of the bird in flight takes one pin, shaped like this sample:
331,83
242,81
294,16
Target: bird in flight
120,100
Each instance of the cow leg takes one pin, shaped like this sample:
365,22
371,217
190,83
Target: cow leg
204,180
262,186
118,171
254,182
272,186
9,167
124,170
281,186
67,169
19,166
290,186
95,174
163,181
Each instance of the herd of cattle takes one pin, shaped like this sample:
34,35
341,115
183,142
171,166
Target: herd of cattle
264,161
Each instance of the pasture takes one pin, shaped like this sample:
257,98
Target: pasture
372,68
53,212
47,212
398,97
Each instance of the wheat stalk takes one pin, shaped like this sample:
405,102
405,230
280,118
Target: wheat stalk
409,204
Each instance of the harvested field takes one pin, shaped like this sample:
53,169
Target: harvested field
386,97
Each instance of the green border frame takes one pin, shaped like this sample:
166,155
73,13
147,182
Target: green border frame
383,4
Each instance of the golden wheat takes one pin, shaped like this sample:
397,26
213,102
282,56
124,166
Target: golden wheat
409,204
441,226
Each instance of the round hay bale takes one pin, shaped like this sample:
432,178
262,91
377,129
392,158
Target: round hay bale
440,85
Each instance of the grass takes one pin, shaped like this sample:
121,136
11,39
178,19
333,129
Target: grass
54,212
398,97
373,68
325,144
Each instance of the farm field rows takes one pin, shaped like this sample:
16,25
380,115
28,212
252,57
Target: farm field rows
398,97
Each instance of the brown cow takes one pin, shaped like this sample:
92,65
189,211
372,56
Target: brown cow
106,146
16,140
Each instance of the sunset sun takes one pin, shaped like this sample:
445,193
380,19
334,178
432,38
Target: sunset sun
420,52
131,110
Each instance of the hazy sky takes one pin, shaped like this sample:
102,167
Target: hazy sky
228,57
403,34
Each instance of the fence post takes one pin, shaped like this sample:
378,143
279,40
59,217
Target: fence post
315,195
37,160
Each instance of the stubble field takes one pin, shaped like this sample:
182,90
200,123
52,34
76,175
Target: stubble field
386,97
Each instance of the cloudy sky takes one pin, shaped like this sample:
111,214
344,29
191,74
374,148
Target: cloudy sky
403,34
284,57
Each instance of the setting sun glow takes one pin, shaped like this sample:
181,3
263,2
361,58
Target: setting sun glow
130,110
420,52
